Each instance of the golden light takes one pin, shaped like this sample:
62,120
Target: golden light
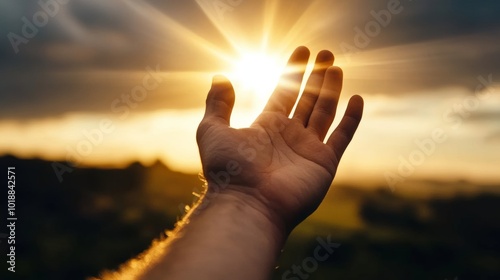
257,73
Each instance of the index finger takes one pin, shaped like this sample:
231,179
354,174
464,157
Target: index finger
285,95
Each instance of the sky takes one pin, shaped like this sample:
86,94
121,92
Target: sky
108,82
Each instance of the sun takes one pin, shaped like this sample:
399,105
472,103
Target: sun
257,73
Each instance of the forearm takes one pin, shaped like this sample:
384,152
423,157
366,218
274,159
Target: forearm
237,231
230,238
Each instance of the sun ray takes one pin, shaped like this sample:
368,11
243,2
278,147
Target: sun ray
297,35
151,13
218,23
270,13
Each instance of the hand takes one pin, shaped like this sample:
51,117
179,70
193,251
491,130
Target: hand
279,165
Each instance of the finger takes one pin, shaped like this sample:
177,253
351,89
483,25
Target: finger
324,110
285,94
220,101
311,92
342,135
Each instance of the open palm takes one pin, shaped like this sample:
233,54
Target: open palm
282,162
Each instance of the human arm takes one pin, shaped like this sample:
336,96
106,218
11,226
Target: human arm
262,180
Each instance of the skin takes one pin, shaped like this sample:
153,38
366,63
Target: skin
293,168
262,180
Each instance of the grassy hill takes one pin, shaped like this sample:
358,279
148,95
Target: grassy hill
97,218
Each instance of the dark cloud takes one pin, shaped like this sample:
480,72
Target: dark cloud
89,54
425,20
428,45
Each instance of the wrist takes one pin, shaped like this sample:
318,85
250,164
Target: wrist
229,229
248,204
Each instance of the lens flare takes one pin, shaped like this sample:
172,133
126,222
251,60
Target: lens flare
257,73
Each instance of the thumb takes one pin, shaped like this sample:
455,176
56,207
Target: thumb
220,100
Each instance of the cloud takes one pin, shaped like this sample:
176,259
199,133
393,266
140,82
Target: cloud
90,52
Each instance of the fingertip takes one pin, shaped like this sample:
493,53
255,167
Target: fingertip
221,83
300,54
325,55
355,106
222,88
334,78
357,99
220,99
219,79
302,49
335,70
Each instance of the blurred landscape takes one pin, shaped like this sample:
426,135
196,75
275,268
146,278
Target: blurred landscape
118,86
97,218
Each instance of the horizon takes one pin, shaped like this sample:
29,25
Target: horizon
429,82
423,188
